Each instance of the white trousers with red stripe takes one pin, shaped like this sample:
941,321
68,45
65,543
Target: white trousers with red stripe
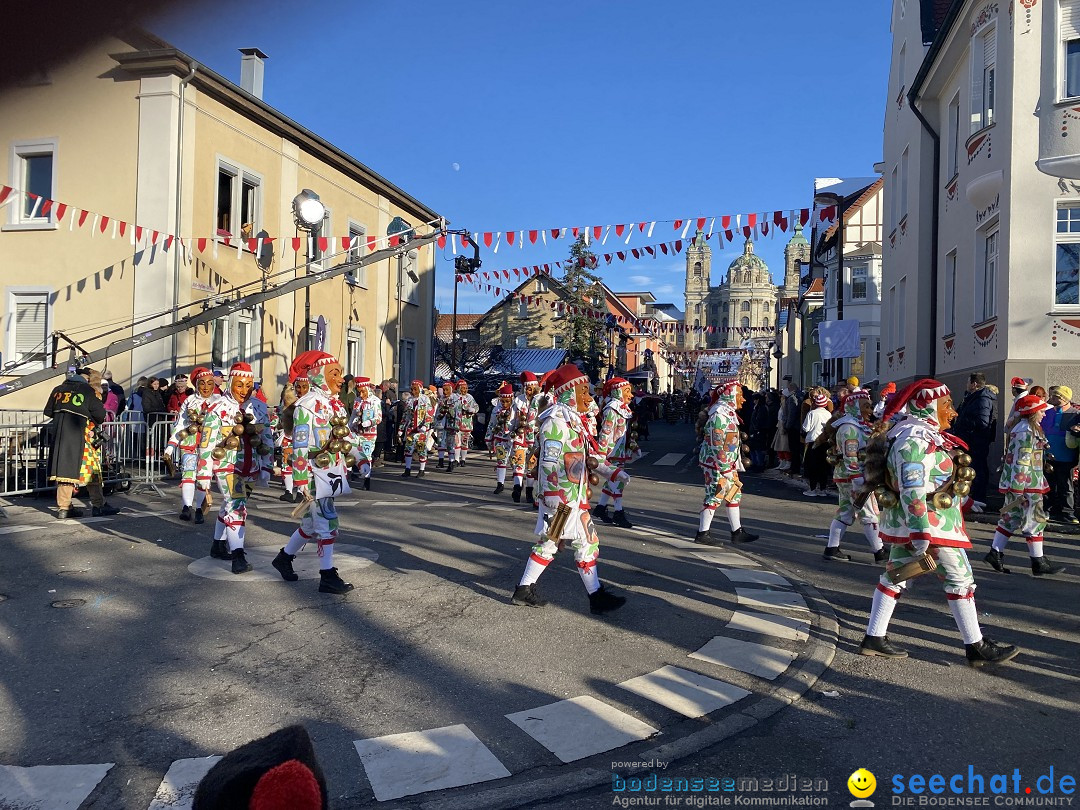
586,552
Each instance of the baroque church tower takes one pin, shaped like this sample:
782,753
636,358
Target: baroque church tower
698,270
796,254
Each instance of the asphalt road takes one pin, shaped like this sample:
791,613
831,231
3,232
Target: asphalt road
154,664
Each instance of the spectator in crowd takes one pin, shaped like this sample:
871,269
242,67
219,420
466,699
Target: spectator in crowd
117,389
219,381
258,393
154,410
179,392
772,400
110,400
887,391
1058,424
791,419
818,473
976,425
1019,387
348,393
758,429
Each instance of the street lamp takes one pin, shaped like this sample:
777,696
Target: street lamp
308,214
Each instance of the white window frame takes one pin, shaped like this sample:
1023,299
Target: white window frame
901,69
354,351
556,340
541,286
1068,17
521,341
18,220
865,276
988,256
358,231
892,316
901,312
983,78
815,371
407,361
904,183
523,308
953,146
894,187
948,298
11,325
241,175
1067,238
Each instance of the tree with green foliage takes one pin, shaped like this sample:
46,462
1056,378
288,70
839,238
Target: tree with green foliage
585,334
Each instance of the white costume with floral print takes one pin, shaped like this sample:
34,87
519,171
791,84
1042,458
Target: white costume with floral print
612,440
852,434
1023,483
364,424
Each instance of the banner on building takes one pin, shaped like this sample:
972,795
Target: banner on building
839,339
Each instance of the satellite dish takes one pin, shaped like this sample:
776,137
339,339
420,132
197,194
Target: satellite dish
399,227
265,257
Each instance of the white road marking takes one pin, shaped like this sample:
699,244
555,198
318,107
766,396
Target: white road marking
16,529
80,521
724,558
669,460
685,692
770,624
755,577
447,504
745,656
580,727
347,557
393,503
416,762
755,597
177,789
56,787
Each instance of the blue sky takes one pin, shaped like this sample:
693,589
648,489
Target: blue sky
515,115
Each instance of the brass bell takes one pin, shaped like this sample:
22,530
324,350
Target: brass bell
192,415
943,500
334,446
588,494
323,460
218,453
965,474
633,434
886,498
232,443
745,449
594,479
346,447
247,417
964,460
251,430
962,488
632,446
238,418
341,432
592,462
238,430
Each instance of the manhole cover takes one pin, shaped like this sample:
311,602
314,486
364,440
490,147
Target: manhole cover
68,603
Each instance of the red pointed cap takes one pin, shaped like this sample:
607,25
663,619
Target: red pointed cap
612,384
921,394
1030,404
528,377
564,378
506,390
200,372
241,370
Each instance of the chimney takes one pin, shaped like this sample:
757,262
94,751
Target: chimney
251,71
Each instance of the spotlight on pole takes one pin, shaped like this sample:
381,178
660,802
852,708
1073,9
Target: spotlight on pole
308,211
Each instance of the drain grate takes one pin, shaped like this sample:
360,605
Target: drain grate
68,603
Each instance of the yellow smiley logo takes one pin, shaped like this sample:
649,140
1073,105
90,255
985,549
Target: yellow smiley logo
861,783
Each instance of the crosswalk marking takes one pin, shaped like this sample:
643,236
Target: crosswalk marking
669,460
724,558
755,597
745,656
770,624
16,529
755,577
415,762
347,558
177,789
580,727
685,692
56,787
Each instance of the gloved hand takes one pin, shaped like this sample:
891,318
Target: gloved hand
169,453
977,506
366,423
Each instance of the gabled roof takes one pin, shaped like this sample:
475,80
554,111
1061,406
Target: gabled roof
444,326
817,286
851,205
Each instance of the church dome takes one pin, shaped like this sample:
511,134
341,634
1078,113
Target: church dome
748,266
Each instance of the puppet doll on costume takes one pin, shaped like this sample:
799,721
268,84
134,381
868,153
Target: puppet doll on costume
467,411
321,437
184,443
615,445
237,447
719,457
1023,482
523,415
927,476
419,414
564,450
852,431
500,436
366,416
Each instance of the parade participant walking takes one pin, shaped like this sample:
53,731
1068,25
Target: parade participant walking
183,447
417,428
320,436
920,498
467,411
617,448
500,436
852,431
237,448
564,503
281,427
77,413
366,416
523,424
446,422
719,460
1023,483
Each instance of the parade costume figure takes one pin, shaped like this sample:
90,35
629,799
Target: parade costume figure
500,435
236,447
467,409
565,452
183,447
926,475
719,457
418,417
446,425
1023,483
322,439
847,447
618,448
366,416
524,412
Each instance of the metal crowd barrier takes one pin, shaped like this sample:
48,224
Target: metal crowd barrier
131,455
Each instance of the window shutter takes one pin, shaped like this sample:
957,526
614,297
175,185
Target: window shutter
31,321
1070,19
989,43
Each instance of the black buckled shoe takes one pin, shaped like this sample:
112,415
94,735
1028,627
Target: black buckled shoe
283,563
286,496
499,488
450,467
367,483
330,582
199,516
529,499
880,646
620,519
407,474
185,513
881,555
515,493
103,510
600,513
420,474
298,496
741,535
219,551
988,652
1041,567
835,554
996,559
706,539
240,565
70,512
527,596
603,601
442,464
